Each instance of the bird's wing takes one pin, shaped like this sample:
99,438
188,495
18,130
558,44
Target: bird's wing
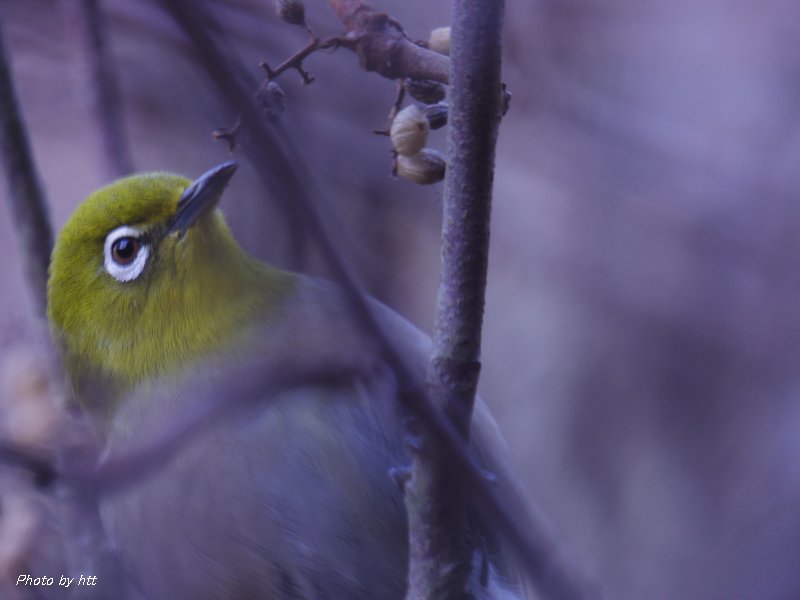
287,494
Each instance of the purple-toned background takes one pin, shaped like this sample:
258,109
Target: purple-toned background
643,317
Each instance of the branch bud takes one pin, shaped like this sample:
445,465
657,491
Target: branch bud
436,115
439,40
425,90
409,130
428,166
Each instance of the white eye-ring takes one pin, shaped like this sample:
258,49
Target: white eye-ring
125,253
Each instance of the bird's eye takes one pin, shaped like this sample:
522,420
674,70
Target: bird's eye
125,253
124,250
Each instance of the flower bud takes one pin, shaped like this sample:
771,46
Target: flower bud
425,90
409,131
436,115
427,166
439,40
291,11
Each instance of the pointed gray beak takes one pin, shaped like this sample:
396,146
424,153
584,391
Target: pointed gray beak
202,196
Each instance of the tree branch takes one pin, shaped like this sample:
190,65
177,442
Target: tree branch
25,196
383,47
295,61
104,89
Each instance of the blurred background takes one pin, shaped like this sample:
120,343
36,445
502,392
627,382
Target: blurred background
641,340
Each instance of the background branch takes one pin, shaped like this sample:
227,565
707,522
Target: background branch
104,88
87,470
24,191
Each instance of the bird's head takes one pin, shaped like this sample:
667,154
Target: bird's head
146,277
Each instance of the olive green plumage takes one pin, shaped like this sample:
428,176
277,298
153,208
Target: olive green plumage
151,296
194,298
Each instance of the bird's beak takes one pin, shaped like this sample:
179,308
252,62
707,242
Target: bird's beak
202,196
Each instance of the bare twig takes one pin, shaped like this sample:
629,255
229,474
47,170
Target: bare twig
229,134
396,106
295,61
279,171
25,196
104,88
380,43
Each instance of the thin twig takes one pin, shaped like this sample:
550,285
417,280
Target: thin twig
25,196
396,106
104,89
215,398
378,40
229,134
273,159
295,61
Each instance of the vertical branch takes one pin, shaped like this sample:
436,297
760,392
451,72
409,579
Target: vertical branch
24,191
281,171
104,88
440,551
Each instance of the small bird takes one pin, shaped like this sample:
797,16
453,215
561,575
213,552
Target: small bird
151,299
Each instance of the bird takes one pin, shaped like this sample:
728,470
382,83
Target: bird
152,301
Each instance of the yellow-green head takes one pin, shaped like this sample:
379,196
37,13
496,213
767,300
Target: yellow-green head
147,278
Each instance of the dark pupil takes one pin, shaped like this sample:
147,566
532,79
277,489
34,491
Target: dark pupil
124,250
